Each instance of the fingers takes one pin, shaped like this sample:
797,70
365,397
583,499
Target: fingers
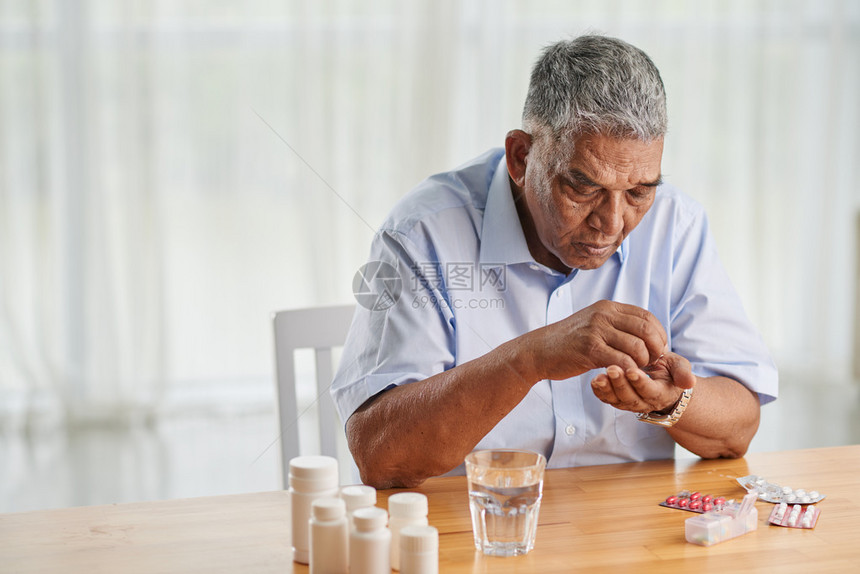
635,390
607,353
680,371
633,348
629,390
603,387
604,333
620,329
645,339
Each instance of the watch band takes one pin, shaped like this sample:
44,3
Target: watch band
670,419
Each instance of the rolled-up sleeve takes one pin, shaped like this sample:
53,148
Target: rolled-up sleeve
410,340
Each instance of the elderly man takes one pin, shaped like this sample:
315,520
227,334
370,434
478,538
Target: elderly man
556,296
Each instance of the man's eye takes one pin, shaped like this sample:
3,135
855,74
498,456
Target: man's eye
581,191
639,194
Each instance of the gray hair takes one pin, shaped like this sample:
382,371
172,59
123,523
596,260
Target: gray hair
595,84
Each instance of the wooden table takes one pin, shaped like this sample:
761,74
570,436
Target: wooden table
598,518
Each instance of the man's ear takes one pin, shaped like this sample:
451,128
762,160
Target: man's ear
517,146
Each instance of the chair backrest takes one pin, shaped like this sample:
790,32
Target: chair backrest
321,329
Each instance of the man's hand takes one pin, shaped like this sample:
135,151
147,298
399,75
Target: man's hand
603,334
656,387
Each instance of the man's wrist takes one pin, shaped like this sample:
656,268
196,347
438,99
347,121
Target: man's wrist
519,357
668,410
673,416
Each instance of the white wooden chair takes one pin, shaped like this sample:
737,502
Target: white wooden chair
322,329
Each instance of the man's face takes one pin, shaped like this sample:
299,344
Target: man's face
585,202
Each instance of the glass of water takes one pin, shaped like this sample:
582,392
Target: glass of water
505,488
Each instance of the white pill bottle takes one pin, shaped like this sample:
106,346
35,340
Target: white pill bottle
419,550
328,537
404,509
358,496
311,477
370,542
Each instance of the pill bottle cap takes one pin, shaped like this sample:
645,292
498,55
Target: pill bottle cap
370,518
419,539
313,472
407,505
358,496
328,508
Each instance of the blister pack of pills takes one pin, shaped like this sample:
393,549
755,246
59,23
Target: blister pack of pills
797,517
770,492
694,502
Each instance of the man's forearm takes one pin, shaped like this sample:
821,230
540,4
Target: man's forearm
720,421
426,428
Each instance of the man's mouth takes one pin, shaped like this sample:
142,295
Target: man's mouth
595,250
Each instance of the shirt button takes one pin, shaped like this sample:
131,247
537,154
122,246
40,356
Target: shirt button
569,430
534,266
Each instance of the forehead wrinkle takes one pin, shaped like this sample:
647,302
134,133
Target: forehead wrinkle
615,168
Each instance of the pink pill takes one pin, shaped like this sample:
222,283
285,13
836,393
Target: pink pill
683,502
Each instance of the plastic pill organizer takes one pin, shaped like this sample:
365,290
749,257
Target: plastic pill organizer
770,492
716,526
719,519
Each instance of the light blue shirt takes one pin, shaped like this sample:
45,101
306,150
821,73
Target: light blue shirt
469,283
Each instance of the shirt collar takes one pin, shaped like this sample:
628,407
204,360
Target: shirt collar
621,253
502,237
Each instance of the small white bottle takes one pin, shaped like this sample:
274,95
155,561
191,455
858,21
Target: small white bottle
404,509
370,542
311,477
419,550
357,496
328,537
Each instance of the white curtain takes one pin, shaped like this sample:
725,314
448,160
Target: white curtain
171,172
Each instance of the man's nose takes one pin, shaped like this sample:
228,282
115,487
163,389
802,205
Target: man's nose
608,216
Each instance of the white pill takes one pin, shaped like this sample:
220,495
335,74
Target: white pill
795,514
780,511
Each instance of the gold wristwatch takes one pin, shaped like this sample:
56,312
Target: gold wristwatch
671,418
